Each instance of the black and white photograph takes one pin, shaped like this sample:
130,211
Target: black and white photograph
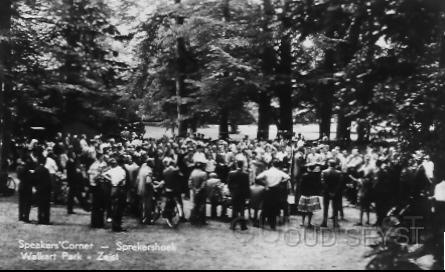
222,134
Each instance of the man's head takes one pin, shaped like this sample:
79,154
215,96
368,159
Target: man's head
355,151
99,156
113,162
276,163
240,164
213,176
168,162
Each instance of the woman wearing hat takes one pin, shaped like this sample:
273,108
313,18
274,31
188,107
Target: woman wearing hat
310,188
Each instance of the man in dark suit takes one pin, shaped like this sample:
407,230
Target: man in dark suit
75,181
238,182
43,183
25,173
331,180
173,180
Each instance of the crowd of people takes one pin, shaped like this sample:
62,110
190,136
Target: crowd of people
111,177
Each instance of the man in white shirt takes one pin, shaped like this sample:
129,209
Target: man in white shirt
132,170
355,160
84,144
301,143
439,192
428,165
313,157
52,167
439,213
199,156
98,204
271,179
117,176
145,192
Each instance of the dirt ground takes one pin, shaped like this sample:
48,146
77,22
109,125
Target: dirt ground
210,247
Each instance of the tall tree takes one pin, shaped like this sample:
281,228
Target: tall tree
347,51
5,86
268,69
284,73
180,77
224,112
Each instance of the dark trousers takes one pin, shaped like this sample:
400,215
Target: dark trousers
57,189
214,208
382,206
351,190
118,199
172,199
439,216
271,207
106,187
198,215
439,229
239,206
284,205
147,203
25,204
340,205
44,206
98,207
336,203
74,192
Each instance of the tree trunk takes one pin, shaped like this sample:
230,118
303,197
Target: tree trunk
348,51
326,116
285,77
224,124
224,114
442,50
268,64
233,127
180,79
193,124
264,112
73,66
343,127
363,131
439,158
326,92
5,87
285,90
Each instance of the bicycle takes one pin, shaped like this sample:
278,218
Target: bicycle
10,188
168,207
11,184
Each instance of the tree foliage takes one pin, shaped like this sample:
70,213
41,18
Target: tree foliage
65,70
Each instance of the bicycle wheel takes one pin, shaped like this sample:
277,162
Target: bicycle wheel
11,184
157,211
174,219
64,193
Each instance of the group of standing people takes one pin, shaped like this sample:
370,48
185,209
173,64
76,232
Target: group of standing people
375,179
111,177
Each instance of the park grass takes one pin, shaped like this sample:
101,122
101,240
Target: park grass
212,246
